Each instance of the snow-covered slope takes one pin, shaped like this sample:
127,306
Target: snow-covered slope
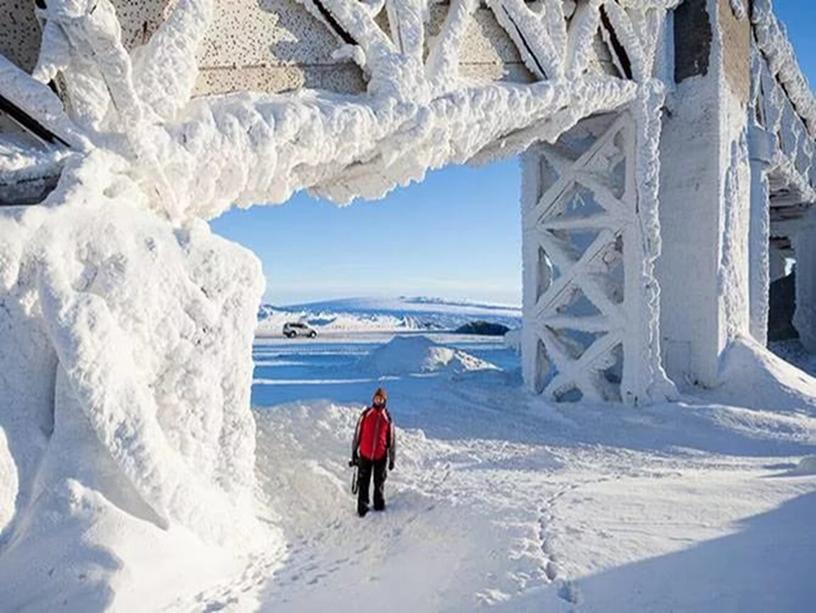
385,314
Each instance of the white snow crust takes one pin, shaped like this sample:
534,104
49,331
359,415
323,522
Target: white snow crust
125,410
773,40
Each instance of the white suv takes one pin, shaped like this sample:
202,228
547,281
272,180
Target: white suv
291,330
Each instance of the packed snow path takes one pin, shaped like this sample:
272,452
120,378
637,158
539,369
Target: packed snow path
505,502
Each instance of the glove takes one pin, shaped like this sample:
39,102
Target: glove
391,465
355,460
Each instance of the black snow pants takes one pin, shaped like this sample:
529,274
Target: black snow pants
364,470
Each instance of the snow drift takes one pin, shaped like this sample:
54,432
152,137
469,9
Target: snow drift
755,378
406,355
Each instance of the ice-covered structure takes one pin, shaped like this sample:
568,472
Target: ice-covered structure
668,164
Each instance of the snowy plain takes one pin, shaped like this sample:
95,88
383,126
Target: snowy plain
503,502
385,315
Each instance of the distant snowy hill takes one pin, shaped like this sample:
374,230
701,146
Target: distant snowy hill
386,314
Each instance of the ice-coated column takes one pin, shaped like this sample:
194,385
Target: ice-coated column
804,318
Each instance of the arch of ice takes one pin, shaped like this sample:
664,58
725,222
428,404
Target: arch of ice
649,126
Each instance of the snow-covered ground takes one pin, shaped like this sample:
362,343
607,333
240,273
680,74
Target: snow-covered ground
501,501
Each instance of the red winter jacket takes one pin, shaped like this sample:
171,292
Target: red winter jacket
374,436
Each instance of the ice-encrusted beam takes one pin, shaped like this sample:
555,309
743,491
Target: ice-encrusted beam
37,107
580,34
83,42
773,42
407,20
392,73
28,123
632,45
275,147
793,150
442,66
619,55
531,32
165,68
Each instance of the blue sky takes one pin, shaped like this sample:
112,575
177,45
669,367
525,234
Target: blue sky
456,235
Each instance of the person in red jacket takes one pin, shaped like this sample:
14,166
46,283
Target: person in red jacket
373,447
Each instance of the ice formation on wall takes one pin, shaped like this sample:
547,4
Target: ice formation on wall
126,377
783,156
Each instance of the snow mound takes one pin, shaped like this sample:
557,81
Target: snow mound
755,378
405,355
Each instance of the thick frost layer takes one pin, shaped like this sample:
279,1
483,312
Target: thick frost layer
247,149
773,40
202,157
152,329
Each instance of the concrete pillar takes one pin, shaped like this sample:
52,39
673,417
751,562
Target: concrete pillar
760,147
705,189
804,247
533,182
